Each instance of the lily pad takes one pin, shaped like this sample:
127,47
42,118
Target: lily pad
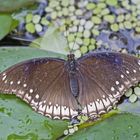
7,24
12,5
12,55
119,127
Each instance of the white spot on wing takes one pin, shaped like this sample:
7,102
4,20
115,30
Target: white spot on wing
91,107
42,108
103,96
20,93
34,103
134,71
27,97
121,88
112,88
122,76
37,96
84,111
127,72
14,90
65,111
117,94
117,82
112,99
49,109
110,95
24,85
56,110
40,103
11,82
138,62
4,77
4,74
31,91
99,105
18,82
106,102
127,82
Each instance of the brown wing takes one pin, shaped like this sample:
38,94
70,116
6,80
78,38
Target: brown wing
104,79
44,84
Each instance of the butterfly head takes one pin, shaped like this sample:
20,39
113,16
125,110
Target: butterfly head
71,57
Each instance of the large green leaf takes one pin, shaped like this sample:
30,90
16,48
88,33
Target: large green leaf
12,5
12,55
7,24
119,127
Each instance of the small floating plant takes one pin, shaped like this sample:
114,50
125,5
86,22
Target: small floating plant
82,21
133,94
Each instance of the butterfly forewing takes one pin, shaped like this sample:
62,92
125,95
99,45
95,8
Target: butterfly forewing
44,84
105,78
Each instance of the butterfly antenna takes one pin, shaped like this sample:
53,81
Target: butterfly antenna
74,42
67,26
66,35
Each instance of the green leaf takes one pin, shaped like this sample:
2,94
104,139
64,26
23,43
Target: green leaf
7,24
119,127
12,5
52,41
12,55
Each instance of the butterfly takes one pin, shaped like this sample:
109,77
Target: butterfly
61,89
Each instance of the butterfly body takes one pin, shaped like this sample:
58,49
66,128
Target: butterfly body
56,87
72,70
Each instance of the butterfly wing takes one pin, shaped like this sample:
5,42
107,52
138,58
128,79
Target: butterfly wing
104,79
44,84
